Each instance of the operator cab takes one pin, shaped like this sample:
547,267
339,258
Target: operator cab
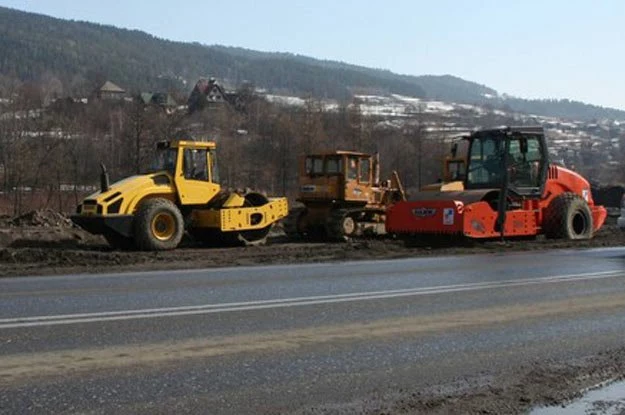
340,175
199,162
517,156
347,165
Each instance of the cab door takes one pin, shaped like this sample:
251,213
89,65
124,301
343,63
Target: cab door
357,179
193,177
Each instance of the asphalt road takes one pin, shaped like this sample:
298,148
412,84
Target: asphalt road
310,338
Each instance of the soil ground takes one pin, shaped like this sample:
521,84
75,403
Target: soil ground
46,243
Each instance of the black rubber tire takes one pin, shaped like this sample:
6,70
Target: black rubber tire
145,238
568,216
119,242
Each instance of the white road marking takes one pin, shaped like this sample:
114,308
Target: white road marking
54,320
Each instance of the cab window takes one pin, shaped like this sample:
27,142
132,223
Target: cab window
352,168
333,165
214,170
314,165
365,170
195,164
525,162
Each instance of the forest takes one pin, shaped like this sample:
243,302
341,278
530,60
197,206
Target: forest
72,57
50,158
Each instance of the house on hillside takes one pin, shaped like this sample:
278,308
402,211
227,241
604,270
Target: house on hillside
160,99
209,93
110,91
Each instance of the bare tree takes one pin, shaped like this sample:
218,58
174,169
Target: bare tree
313,135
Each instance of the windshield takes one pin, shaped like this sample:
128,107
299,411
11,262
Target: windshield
525,162
334,165
213,166
165,159
314,165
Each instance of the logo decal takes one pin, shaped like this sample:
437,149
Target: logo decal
448,216
424,212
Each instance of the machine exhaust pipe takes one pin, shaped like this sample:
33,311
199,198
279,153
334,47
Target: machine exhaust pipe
104,179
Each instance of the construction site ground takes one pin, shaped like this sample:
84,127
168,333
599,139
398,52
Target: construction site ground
47,243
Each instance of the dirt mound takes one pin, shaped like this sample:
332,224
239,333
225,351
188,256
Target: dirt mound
42,218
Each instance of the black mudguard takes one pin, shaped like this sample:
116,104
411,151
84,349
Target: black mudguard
99,225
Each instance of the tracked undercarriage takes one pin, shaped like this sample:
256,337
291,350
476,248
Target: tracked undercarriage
337,225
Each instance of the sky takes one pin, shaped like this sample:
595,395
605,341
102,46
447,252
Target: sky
527,48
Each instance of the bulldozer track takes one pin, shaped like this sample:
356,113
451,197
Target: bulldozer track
336,225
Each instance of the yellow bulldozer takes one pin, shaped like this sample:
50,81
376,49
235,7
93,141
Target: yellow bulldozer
454,170
453,176
182,193
343,197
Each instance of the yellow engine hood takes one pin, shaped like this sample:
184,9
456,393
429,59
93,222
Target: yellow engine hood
123,196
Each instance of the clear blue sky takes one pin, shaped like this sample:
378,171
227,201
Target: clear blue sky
529,48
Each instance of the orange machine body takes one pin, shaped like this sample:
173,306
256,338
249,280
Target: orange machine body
473,213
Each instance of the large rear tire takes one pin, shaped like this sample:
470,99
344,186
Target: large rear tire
568,216
158,226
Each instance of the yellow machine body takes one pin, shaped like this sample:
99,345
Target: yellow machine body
343,196
185,177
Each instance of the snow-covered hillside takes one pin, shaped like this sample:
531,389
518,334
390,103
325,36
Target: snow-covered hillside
577,144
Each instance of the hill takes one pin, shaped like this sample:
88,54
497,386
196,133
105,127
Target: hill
80,55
